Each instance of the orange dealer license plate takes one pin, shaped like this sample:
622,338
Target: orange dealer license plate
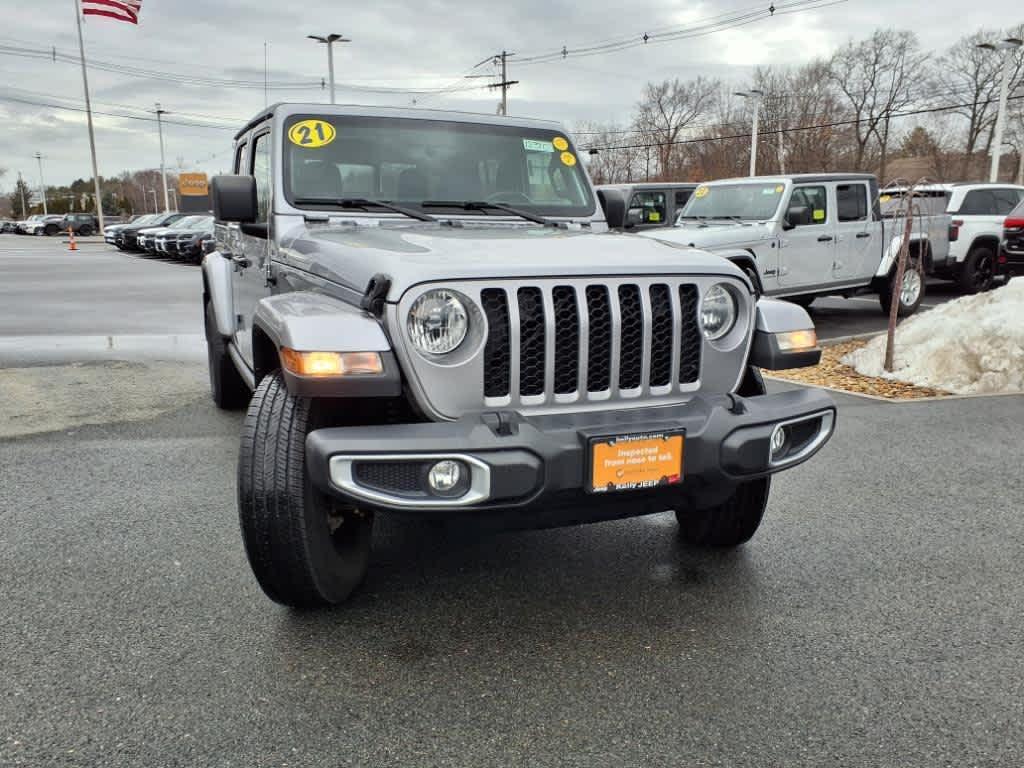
635,462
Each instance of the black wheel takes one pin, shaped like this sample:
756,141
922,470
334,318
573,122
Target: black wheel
803,301
227,386
305,548
50,230
912,293
978,271
730,523
85,231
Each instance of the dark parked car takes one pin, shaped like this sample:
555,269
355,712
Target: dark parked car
110,231
184,238
83,224
127,238
1011,254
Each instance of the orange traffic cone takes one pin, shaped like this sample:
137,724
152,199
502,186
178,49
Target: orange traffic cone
72,245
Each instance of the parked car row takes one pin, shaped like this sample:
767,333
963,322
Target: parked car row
84,224
178,235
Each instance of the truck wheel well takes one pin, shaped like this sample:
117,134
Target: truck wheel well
915,252
265,356
749,266
985,241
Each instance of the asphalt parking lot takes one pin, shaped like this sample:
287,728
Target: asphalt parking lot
874,620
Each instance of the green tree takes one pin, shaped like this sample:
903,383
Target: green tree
22,191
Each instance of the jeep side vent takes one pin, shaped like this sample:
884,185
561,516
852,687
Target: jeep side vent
567,340
498,350
532,342
689,348
632,346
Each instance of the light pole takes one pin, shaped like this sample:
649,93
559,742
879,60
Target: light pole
329,41
163,169
21,188
42,184
1004,47
156,209
756,96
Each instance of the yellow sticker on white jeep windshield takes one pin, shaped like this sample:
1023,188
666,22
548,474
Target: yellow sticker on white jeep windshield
885,198
819,215
560,144
700,192
311,134
568,158
778,189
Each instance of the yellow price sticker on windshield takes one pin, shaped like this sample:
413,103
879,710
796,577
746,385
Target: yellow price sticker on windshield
885,198
311,134
560,144
568,158
819,215
700,192
654,216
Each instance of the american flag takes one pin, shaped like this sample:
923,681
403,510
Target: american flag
122,10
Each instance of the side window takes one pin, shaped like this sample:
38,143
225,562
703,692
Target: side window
807,206
651,206
852,202
682,195
978,202
260,165
1006,200
239,153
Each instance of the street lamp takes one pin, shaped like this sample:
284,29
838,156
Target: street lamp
42,184
1004,47
163,169
329,41
756,96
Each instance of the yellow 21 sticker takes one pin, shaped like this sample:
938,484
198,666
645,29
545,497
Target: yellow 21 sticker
700,192
568,158
560,144
311,134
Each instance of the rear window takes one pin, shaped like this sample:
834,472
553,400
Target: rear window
979,202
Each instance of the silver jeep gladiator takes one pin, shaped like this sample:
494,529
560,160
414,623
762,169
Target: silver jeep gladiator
425,314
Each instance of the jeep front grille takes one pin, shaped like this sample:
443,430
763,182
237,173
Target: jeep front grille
559,341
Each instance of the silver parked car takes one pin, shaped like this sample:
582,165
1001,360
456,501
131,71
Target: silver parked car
435,320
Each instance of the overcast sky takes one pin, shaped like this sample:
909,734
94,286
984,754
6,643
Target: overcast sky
395,43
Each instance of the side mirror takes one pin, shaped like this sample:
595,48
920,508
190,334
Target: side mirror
234,198
787,224
795,216
634,216
614,206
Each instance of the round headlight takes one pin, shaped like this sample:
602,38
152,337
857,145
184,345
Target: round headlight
438,322
717,312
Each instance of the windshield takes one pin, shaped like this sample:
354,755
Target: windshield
755,202
186,222
143,219
407,162
200,222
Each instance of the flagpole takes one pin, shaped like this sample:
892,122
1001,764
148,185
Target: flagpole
88,115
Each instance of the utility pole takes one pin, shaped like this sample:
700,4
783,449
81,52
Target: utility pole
21,188
505,83
329,41
42,184
88,116
163,169
1004,47
756,96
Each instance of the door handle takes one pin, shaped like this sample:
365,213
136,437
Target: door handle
241,261
825,239
863,234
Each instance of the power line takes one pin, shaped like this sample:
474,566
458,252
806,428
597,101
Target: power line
51,105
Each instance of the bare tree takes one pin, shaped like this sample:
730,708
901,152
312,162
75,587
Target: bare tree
878,77
667,110
618,158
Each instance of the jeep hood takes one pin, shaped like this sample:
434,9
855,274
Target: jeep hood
417,253
713,235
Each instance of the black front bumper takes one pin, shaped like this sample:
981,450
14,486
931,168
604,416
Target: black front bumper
543,461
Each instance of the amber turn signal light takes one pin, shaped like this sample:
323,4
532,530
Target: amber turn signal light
797,341
331,363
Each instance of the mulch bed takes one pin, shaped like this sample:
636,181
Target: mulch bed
830,372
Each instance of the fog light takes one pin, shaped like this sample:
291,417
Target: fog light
445,475
778,442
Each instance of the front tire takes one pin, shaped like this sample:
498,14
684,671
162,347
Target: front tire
729,524
85,231
912,293
50,230
978,271
305,548
227,387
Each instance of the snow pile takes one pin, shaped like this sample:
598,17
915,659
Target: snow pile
968,346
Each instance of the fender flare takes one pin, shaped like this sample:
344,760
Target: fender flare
217,290
892,252
745,259
308,322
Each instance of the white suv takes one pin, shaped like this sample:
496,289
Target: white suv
978,211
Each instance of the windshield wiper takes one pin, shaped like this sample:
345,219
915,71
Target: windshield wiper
483,206
362,202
